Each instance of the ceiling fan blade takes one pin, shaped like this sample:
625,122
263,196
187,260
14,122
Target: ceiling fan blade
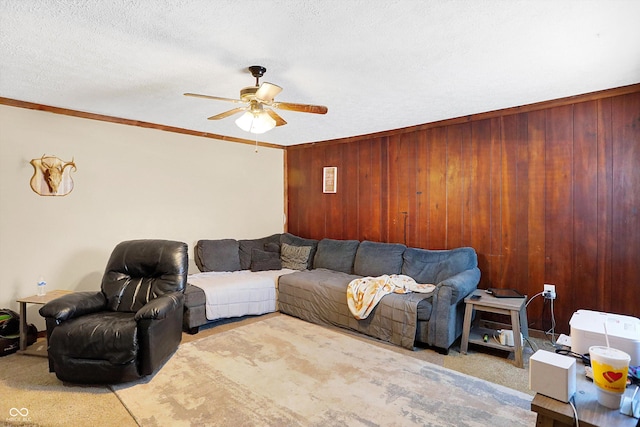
197,95
227,113
267,91
275,116
303,108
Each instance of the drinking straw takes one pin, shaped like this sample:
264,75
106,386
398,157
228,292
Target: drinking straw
606,335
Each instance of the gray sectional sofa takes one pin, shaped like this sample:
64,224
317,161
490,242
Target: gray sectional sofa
317,291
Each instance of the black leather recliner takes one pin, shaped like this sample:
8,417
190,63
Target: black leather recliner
128,329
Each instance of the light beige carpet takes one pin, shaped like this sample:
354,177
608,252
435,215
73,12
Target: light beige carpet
283,371
31,396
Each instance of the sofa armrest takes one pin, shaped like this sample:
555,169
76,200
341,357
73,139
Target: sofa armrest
160,307
461,284
73,305
445,325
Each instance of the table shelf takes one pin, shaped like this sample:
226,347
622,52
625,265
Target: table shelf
476,337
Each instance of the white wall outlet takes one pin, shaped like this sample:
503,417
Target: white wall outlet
549,291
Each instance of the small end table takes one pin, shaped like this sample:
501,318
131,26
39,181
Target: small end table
34,299
513,307
552,412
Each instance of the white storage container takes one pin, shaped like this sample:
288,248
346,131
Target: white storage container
587,329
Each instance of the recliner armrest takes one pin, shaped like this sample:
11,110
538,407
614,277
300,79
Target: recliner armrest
73,305
159,307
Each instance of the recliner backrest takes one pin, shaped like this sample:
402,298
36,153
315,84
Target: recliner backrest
140,270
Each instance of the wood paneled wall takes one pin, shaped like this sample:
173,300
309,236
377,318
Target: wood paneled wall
545,194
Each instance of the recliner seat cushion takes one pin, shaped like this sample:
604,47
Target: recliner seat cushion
110,336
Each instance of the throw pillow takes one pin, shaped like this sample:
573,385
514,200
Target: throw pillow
264,260
295,257
272,247
246,246
293,240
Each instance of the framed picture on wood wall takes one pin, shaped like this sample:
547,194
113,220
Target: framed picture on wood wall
330,179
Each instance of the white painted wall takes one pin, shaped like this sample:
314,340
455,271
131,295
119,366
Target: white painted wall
130,183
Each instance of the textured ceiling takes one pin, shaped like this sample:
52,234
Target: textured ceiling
377,65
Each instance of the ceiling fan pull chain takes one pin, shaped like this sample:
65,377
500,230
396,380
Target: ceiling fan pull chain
256,150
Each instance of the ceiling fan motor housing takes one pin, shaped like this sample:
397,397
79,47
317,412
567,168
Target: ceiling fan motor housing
248,93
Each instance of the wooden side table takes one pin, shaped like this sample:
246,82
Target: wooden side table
553,413
513,307
34,299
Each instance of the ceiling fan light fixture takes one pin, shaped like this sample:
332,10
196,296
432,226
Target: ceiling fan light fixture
256,122
256,119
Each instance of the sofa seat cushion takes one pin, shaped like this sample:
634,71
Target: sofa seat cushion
337,255
375,258
317,295
320,296
114,337
425,307
194,296
238,293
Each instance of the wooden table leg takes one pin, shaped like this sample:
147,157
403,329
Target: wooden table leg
517,341
466,328
524,324
23,326
542,421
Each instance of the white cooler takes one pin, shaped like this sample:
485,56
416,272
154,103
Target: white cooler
587,329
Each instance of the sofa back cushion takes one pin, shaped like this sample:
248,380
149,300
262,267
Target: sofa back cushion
427,266
217,255
293,240
375,259
247,246
336,255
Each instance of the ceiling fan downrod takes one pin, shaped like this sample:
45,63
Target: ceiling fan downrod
257,71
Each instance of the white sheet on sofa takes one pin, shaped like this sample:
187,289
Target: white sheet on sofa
238,293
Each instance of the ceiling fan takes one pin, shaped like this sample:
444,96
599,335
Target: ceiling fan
259,115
